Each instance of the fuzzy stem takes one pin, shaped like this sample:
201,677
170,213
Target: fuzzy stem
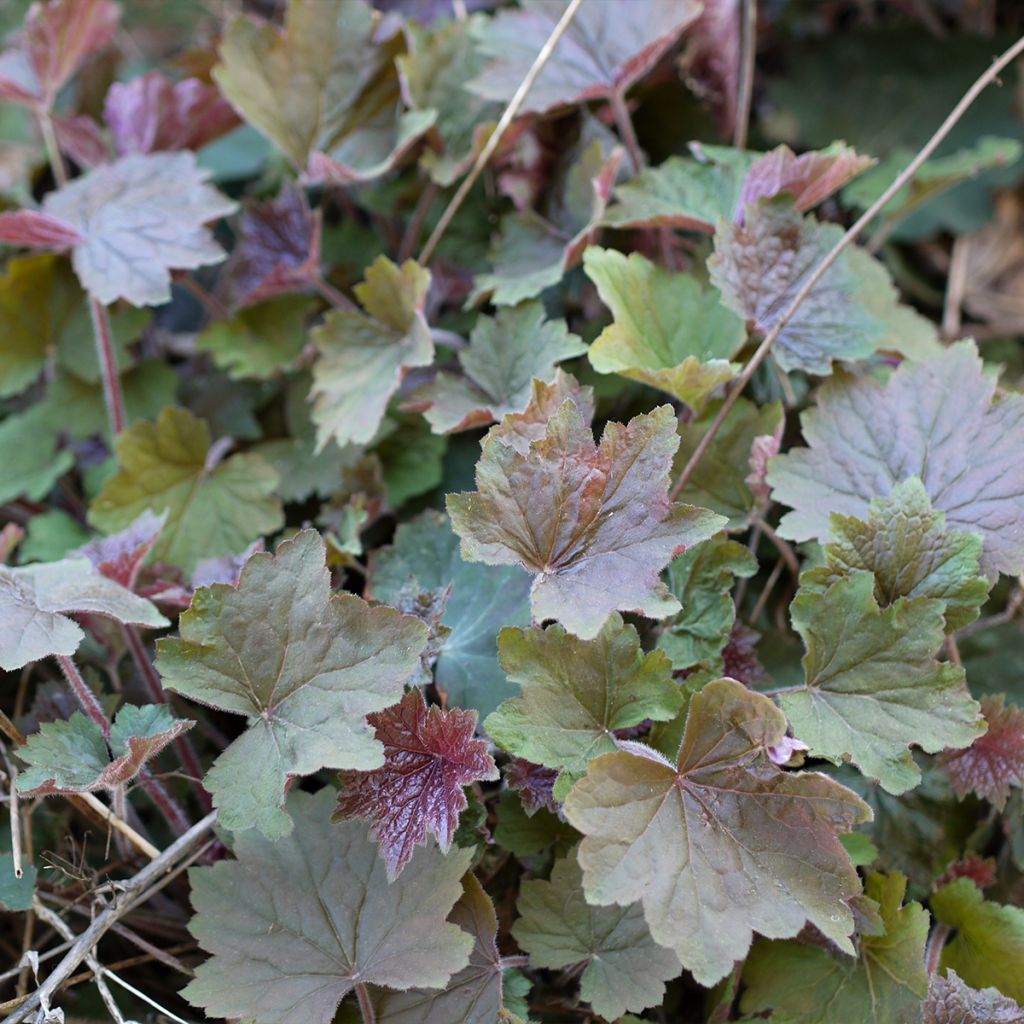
112,393
365,1004
83,694
933,954
759,356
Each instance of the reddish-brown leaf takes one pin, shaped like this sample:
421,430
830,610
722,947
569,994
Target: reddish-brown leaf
980,870
993,762
534,783
811,177
151,112
429,755
119,557
37,230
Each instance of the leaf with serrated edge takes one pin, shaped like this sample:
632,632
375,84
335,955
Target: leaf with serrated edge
482,600
810,177
937,421
363,356
950,1001
806,984
668,330
429,756
72,756
905,544
211,511
505,354
625,968
872,684
293,925
721,843
474,995
987,948
35,600
576,693
593,523
304,665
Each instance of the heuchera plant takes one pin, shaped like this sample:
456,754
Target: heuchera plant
489,534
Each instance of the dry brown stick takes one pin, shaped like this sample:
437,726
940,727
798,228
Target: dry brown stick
837,250
507,117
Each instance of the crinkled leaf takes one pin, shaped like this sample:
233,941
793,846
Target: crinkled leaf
810,177
987,948
482,600
760,265
531,252
994,762
324,89
534,783
576,693
151,113
593,523
429,756
884,984
701,580
363,356
303,665
58,37
35,600
950,1001
72,756
474,994
625,968
904,542
721,843
605,49
720,481
684,192
137,219
261,340
293,925
505,354
212,510
937,421
872,685
668,331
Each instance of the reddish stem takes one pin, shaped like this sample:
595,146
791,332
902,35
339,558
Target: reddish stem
933,954
365,1004
83,694
112,394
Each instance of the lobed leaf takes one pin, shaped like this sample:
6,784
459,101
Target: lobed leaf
950,1001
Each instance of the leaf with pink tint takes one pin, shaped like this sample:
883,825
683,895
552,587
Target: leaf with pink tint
739,656
152,113
810,177
36,230
277,249
57,38
72,755
950,1001
226,569
429,755
534,783
993,762
119,557
82,139
764,447
980,870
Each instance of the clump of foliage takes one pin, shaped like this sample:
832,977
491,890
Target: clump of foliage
487,534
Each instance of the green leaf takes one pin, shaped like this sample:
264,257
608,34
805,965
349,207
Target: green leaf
884,984
293,925
593,523
72,755
305,666
16,893
474,994
527,834
625,968
988,946
212,510
861,850
482,600
939,421
683,192
904,542
701,580
33,459
363,356
872,685
411,459
260,340
505,354
531,252
668,332
721,843
576,693
51,535
760,265
324,90
720,480
35,598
